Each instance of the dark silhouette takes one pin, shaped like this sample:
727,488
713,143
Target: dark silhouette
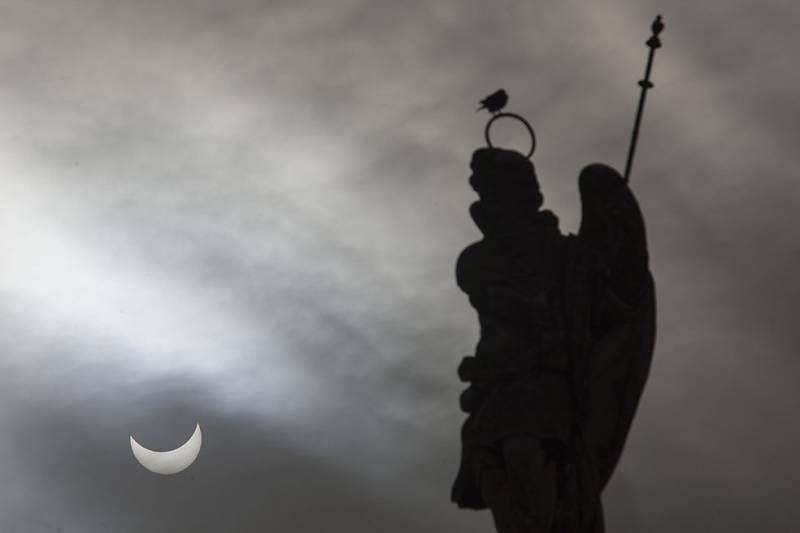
494,102
567,334
654,42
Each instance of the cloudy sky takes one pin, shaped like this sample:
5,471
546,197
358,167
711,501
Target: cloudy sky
246,214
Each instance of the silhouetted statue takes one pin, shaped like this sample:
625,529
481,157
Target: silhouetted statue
567,328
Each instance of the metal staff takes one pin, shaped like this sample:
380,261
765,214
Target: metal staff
653,42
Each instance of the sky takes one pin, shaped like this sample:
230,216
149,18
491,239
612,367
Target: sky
246,215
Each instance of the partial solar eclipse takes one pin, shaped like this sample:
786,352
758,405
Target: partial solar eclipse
170,462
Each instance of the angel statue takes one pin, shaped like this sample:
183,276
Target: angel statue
567,332
567,327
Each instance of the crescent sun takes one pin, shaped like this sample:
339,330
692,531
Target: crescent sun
172,461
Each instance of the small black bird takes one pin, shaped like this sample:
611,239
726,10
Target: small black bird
495,101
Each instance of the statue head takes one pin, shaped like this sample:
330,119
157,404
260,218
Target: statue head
505,176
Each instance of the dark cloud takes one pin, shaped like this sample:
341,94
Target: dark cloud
247,215
245,481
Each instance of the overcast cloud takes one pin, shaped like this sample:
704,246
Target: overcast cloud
246,215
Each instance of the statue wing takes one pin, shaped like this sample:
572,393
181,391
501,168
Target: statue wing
622,324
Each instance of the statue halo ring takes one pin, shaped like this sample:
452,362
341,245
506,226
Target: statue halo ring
516,117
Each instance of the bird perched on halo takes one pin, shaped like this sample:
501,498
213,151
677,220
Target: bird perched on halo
494,102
